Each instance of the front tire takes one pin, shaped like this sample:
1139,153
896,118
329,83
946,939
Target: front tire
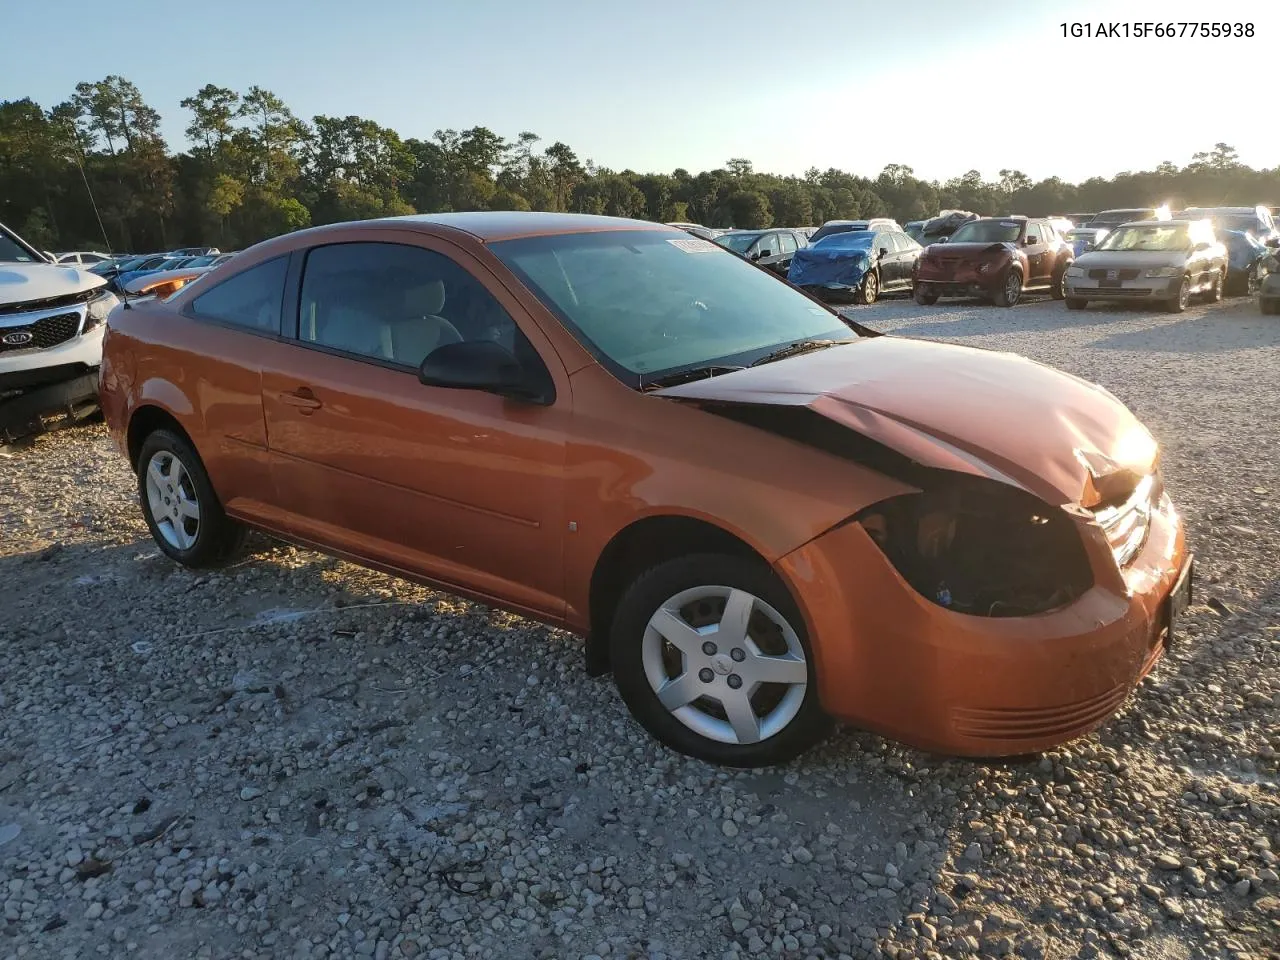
924,296
1182,299
869,289
1009,290
710,654
179,504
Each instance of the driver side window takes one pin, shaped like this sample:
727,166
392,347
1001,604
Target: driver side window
395,303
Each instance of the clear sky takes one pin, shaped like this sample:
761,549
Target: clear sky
940,85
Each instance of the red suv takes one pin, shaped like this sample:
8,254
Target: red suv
996,258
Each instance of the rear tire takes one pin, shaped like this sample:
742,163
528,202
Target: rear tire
924,296
1075,303
179,504
1059,291
712,704
1216,292
1009,290
869,289
1182,300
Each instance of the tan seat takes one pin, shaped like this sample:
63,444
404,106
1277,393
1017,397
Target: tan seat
419,328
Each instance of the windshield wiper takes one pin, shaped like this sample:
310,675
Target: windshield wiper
685,376
794,349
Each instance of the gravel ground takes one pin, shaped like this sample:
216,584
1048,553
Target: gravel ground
295,757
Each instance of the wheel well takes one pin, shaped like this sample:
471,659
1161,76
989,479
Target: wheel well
146,421
635,549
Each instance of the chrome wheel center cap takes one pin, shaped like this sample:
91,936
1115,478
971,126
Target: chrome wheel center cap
722,665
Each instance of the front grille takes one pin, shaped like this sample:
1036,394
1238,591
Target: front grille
1117,291
1126,524
51,303
45,332
1027,723
1120,274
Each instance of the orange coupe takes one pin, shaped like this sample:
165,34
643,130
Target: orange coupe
759,513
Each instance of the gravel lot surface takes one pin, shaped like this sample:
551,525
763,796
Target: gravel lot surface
294,757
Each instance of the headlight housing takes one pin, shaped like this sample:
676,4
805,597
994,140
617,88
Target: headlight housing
1162,272
1074,271
982,548
97,309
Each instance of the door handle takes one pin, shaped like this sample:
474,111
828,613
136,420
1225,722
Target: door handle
303,399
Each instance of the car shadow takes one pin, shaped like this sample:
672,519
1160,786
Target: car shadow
1234,325
359,680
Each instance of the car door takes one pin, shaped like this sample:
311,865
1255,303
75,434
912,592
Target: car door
787,246
234,327
767,250
1037,249
462,487
908,252
884,263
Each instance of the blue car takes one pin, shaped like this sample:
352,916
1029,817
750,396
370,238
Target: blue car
148,265
856,265
1246,255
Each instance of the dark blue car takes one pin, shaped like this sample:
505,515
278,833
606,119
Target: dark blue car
857,265
1245,257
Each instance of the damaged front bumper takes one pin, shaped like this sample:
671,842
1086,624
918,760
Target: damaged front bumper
29,396
890,660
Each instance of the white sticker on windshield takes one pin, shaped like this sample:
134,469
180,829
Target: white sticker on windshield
694,245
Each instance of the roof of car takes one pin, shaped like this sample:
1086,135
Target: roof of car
488,225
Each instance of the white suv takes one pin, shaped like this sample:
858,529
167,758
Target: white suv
51,323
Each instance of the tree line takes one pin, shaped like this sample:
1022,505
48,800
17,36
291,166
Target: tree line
96,164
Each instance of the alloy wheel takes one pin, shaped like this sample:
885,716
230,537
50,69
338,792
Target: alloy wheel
1012,288
173,501
725,664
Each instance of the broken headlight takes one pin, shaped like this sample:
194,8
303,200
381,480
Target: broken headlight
96,310
982,548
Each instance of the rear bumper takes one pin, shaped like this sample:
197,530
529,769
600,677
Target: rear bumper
890,661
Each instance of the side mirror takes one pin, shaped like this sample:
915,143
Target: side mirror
884,251
481,365
1030,241
764,253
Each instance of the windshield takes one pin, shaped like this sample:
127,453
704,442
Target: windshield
737,242
1157,237
1242,222
1115,217
988,231
854,239
834,229
649,304
10,252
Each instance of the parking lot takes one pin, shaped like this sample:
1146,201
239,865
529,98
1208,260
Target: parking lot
298,757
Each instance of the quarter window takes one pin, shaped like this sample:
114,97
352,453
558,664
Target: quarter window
250,299
396,303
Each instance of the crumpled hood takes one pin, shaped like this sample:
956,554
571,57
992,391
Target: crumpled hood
23,282
834,264
981,412
1140,259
